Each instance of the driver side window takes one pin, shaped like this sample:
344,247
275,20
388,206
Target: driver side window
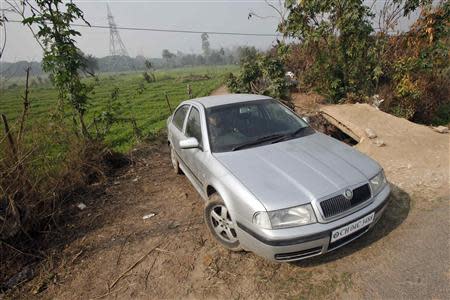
193,127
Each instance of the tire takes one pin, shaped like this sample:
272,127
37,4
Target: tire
220,224
174,160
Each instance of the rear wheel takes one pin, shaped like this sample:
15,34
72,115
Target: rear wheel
220,224
175,163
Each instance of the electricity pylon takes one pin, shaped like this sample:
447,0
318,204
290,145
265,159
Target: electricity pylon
116,45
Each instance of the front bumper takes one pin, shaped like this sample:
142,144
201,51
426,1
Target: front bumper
306,241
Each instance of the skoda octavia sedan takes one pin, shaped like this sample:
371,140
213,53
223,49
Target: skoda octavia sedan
271,183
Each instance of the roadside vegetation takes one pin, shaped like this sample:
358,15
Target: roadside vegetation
123,110
345,58
260,74
70,127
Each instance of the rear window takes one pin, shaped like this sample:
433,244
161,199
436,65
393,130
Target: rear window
179,116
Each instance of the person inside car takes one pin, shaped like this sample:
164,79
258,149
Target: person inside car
222,131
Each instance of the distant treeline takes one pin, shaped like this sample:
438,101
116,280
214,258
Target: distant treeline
138,63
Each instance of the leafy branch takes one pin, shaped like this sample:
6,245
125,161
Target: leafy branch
62,58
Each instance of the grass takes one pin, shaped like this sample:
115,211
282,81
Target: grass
149,108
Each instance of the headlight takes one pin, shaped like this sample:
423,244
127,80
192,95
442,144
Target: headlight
377,183
283,218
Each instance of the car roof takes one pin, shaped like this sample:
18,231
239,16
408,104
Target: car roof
218,100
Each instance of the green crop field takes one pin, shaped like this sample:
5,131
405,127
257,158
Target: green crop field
149,108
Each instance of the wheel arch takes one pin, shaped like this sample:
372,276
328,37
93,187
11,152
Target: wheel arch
210,190
219,189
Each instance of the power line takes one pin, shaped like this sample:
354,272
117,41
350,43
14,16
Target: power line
170,30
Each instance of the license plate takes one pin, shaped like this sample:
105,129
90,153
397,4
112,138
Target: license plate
352,227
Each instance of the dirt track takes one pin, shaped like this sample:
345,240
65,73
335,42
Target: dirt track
417,160
405,256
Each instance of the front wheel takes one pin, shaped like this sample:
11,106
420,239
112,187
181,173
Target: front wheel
220,224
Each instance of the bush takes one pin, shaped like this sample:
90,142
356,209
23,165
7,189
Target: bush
415,68
442,116
35,176
342,58
338,50
149,78
263,75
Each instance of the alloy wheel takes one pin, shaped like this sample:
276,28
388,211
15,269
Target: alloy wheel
222,224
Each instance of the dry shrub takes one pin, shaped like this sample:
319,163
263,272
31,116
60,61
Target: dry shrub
17,191
300,60
40,174
38,182
411,71
415,82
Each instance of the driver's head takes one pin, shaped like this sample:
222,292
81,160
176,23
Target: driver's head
215,120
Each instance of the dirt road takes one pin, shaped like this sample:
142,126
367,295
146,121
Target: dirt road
416,261
115,253
187,263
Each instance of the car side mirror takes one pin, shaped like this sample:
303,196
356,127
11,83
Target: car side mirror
189,143
306,119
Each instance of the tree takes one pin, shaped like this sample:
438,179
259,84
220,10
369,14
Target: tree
339,34
247,54
205,44
215,58
167,55
341,41
262,75
148,64
415,64
90,64
149,75
62,58
279,10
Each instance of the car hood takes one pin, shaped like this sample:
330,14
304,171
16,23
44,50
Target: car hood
297,171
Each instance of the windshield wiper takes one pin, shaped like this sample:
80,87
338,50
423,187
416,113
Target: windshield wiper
298,131
259,141
289,135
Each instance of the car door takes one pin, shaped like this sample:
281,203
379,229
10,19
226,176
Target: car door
177,128
195,158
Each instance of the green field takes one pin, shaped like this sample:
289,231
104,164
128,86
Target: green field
149,108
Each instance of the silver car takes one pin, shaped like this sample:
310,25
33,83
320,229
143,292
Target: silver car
271,183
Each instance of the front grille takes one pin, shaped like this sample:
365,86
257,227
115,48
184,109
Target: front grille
298,254
338,204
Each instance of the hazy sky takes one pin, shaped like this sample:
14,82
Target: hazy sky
212,15
198,15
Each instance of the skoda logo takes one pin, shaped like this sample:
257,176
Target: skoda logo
348,194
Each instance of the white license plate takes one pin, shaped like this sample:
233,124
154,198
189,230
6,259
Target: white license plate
352,227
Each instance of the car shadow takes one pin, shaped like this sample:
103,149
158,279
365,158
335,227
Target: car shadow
395,214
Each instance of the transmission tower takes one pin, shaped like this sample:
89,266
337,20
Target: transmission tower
116,46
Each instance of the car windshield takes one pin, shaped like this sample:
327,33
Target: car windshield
237,126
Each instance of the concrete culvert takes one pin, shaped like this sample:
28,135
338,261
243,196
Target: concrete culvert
319,123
